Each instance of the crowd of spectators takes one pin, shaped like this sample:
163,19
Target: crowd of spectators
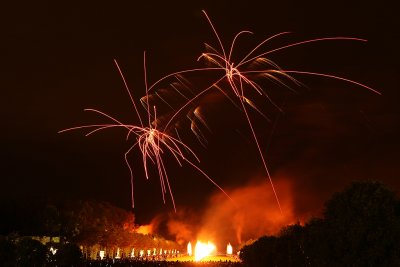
145,263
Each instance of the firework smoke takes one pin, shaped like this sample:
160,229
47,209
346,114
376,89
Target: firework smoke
255,215
221,222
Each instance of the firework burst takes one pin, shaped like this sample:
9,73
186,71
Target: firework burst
242,79
238,82
151,142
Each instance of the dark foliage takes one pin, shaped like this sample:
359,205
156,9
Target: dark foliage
92,225
69,255
30,253
7,252
361,227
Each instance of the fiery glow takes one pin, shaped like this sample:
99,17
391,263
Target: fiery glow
145,229
203,250
189,249
229,249
254,215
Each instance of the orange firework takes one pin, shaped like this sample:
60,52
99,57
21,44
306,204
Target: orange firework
151,142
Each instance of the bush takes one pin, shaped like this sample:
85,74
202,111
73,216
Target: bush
361,227
69,255
7,252
30,253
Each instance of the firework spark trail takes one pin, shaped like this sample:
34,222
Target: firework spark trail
239,79
152,143
232,71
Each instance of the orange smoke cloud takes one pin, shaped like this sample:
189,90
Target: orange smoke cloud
254,213
184,225
145,229
150,228
180,230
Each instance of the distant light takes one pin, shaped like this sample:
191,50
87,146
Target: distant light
102,252
202,250
117,256
229,249
53,250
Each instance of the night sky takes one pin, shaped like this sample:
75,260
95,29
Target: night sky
57,59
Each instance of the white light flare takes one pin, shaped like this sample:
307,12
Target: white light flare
189,249
203,250
229,249
53,250
133,253
101,254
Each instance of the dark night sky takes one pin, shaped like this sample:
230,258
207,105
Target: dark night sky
57,59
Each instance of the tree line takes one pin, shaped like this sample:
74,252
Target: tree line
359,227
29,230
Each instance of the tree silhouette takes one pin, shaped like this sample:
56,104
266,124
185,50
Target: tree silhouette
30,253
360,227
7,252
69,255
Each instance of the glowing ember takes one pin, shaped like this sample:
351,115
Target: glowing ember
229,249
203,250
189,249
